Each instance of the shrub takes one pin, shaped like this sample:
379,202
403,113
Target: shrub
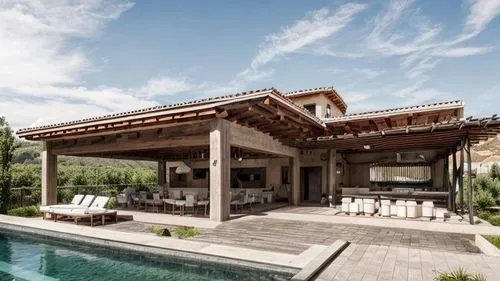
459,275
494,220
495,240
28,211
158,230
183,232
484,215
495,171
112,203
482,199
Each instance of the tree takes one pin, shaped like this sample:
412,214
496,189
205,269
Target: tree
7,147
495,171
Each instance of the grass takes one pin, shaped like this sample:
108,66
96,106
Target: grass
181,232
158,230
184,232
495,240
491,218
28,211
459,274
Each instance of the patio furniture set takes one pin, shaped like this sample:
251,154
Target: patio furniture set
177,201
82,207
389,208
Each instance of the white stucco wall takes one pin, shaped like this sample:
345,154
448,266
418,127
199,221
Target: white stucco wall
321,100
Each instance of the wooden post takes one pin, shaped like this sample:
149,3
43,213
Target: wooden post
220,168
294,180
461,177
446,178
161,175
470,189
331,176
454,180
49,175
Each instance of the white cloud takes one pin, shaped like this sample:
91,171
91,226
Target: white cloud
481,13
463,51
166,86
355,97
320,24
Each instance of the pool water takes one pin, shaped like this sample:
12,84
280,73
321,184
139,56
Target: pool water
29,257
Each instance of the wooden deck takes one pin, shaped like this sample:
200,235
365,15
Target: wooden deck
361,262
293,237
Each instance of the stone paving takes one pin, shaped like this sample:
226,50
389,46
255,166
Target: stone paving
361,262
292,237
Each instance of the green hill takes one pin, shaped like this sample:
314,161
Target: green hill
29,153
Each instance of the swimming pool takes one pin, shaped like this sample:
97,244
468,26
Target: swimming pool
31,257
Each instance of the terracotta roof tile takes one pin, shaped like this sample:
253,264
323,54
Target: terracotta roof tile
172,106
395,111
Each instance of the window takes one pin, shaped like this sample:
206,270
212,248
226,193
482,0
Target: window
311,108
248,177
200,174
401,174
177,180
328,113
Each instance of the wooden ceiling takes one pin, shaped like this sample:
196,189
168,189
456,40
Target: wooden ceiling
443,135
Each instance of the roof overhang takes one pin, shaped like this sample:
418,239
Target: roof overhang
396,118
266,110
413,137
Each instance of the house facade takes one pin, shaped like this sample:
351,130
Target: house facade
294,147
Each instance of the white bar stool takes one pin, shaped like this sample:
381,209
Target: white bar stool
428,209
359,201
353,208
394,210
411,209
385,208
369,206
345,204
401,208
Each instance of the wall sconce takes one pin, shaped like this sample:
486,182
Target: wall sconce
214,163
367,147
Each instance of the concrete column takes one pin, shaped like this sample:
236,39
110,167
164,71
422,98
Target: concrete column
331,175
49,175
294,180
220,168
161,175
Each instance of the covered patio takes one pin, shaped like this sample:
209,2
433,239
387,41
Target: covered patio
266,146
211,134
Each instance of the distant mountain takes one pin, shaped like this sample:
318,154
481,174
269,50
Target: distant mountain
487,152
29,152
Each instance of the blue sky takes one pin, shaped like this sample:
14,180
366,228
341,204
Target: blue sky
61,60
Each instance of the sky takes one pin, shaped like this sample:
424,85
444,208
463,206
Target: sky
67,60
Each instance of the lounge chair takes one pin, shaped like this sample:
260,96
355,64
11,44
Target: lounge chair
77,200
84,201
95,210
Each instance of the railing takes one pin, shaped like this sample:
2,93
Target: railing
25,196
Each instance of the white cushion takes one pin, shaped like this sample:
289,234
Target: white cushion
353,208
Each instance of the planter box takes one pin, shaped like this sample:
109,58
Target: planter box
486,247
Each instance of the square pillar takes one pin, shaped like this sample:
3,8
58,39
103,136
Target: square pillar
161,176
294,180
49,175
220,168
331,176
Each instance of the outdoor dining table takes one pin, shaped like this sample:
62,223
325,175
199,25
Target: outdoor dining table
175,203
